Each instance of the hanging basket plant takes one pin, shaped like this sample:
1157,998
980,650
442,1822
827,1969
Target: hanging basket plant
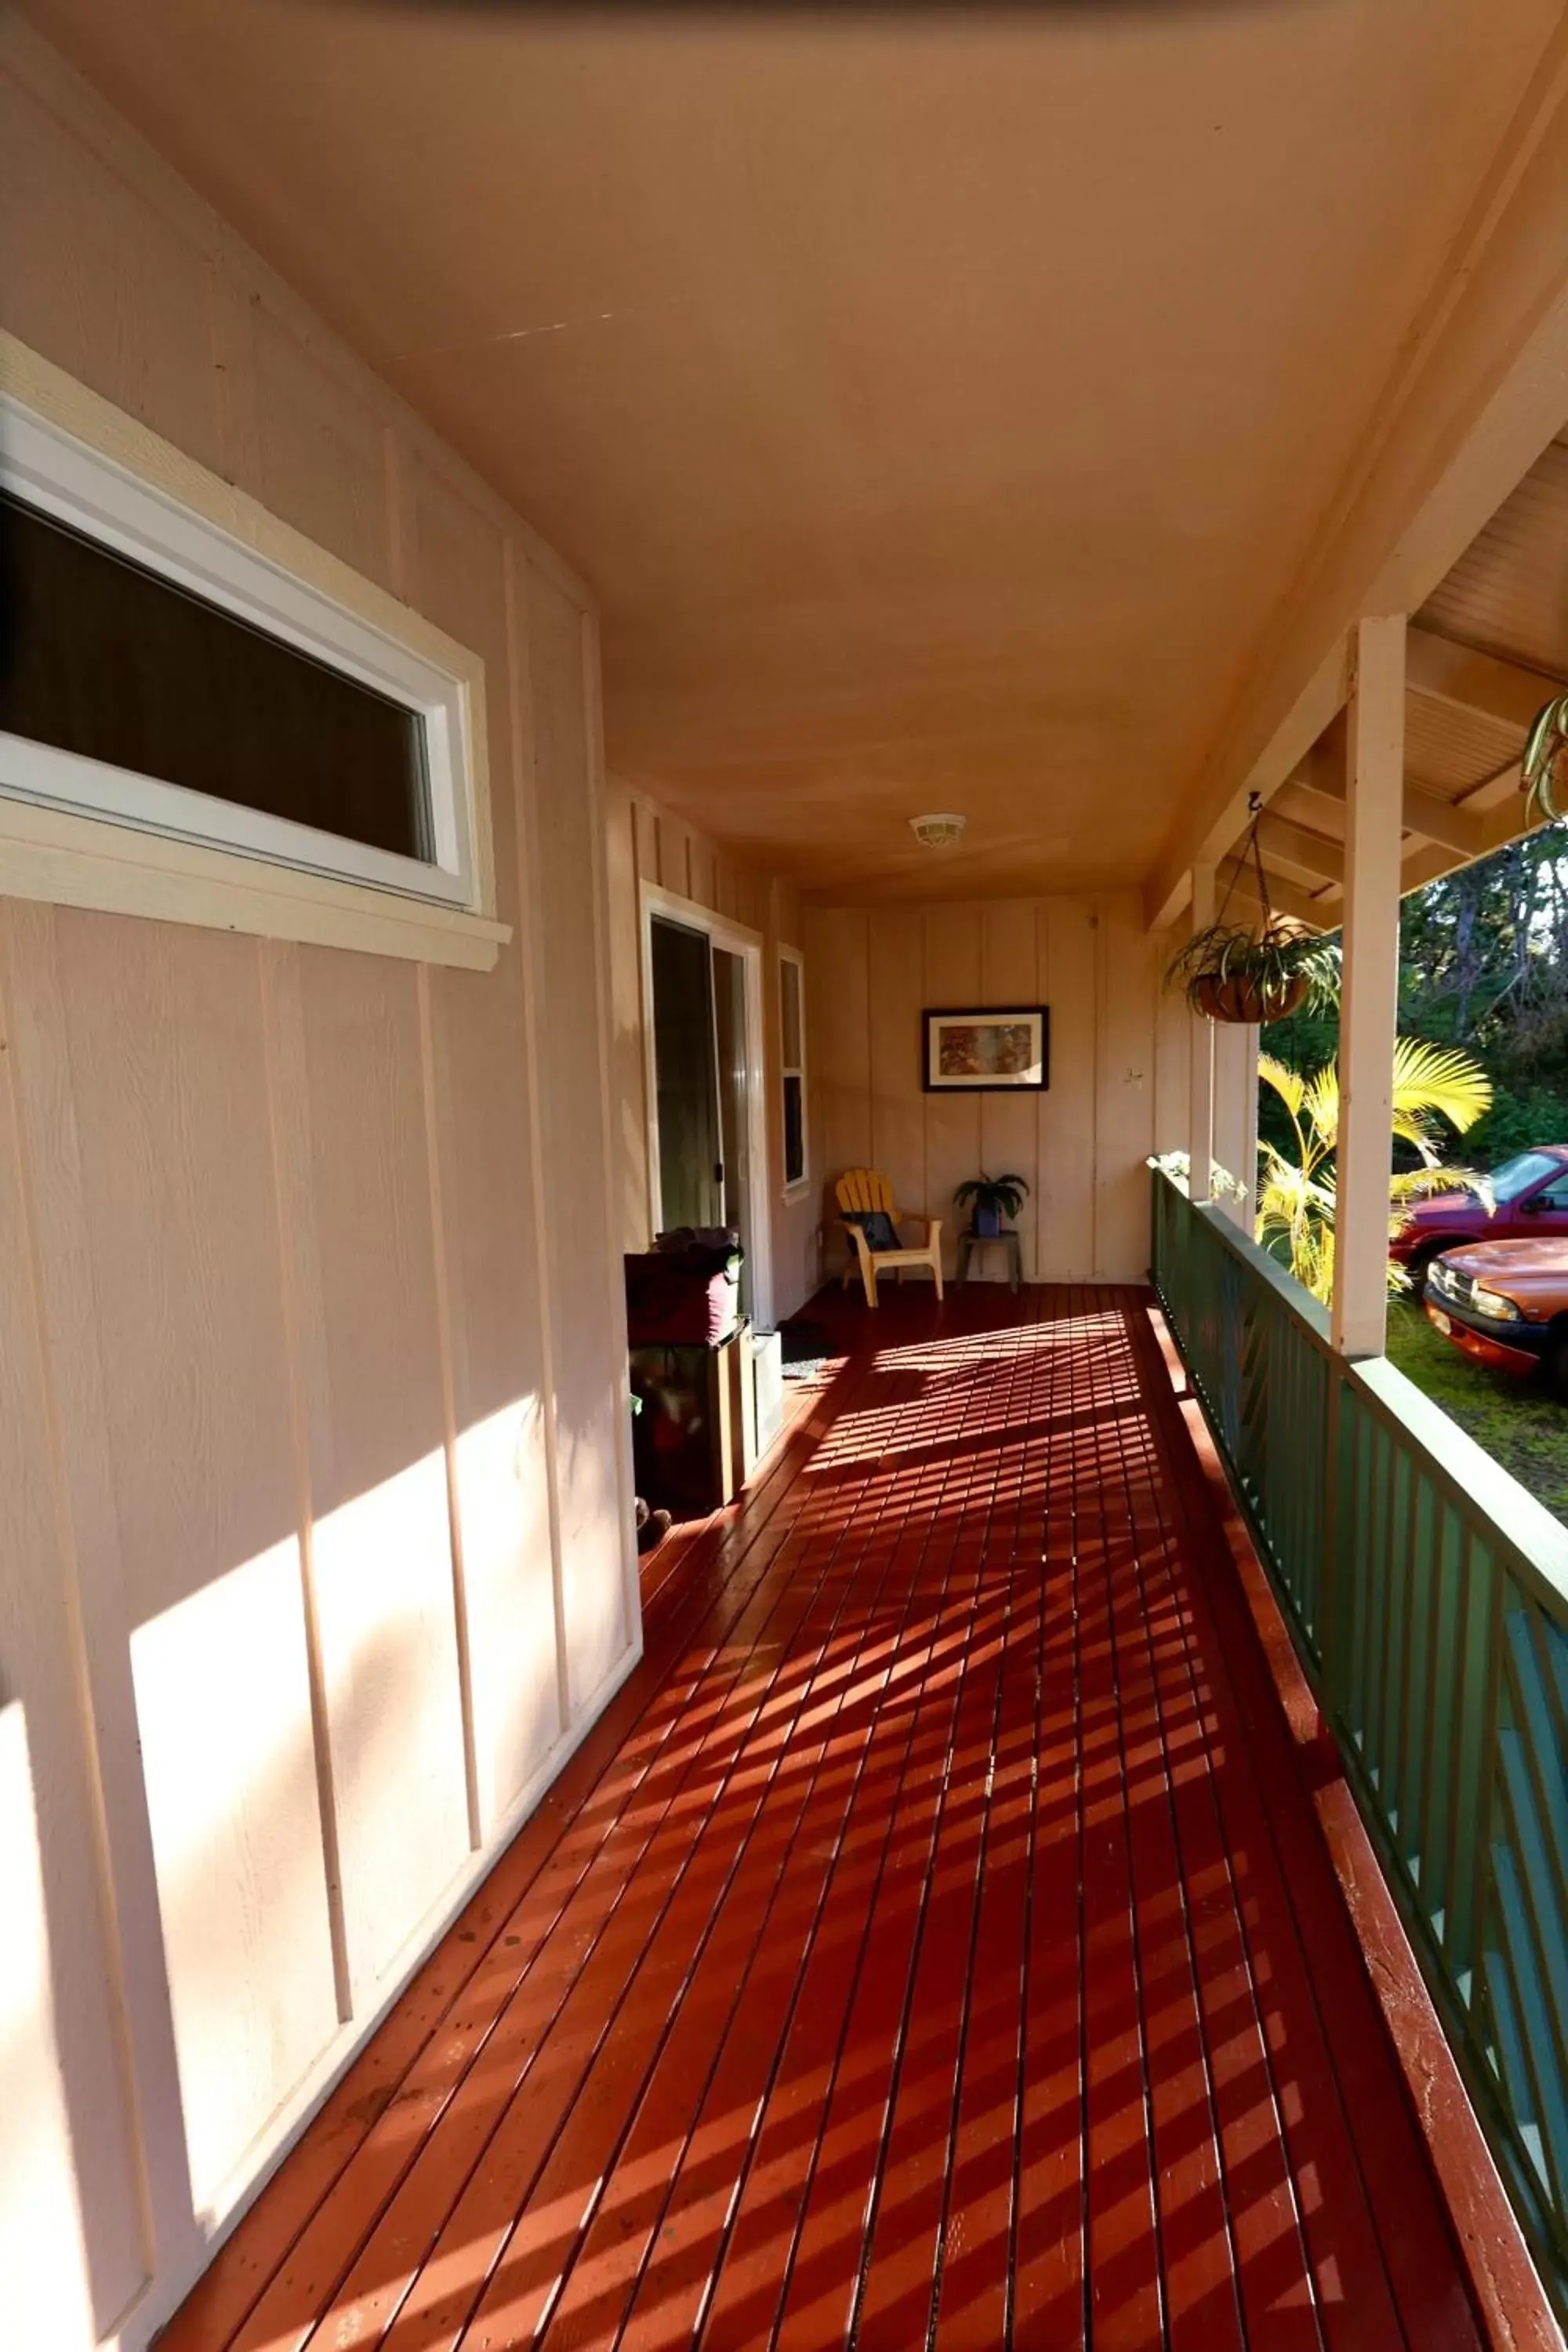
1544,746
1250,974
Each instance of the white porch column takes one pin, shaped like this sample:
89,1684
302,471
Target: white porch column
1236,1117
1374,786
1200,1100
1247,1209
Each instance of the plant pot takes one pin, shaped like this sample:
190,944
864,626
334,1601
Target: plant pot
988,1224
1243,999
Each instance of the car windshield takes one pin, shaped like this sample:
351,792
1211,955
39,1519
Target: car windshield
1517,1176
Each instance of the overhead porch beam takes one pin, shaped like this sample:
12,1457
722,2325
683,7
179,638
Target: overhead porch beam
1309,808
1497,826
1320,784
1304,822
1477,397
1238,889
1314,708
1281,842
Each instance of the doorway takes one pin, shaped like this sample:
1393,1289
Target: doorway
707,1147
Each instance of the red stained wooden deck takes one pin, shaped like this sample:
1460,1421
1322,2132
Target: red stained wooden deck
934,1945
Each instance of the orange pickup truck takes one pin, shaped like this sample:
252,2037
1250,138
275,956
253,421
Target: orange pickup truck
1505,1304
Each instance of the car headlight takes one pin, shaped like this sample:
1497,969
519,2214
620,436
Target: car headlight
1493,1304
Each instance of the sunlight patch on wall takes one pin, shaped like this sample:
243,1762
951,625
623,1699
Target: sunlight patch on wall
224,1713
504,1509
593,1591
45,2297
389,1655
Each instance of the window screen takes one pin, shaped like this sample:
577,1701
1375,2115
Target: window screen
102,658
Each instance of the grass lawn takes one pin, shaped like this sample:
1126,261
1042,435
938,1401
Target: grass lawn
1519,1425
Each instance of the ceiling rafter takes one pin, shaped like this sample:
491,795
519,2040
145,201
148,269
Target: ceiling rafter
1446,671
1306,822
1509,694
1319,783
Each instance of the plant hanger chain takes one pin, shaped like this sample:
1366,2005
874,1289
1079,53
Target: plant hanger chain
1254,850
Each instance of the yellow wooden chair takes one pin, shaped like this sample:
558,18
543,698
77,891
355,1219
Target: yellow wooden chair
860,1189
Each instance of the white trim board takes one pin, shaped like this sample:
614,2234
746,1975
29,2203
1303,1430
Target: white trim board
738,938
795,1188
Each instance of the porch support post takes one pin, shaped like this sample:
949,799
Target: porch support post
1249,1173
1245,1210
1374,788
1200,1102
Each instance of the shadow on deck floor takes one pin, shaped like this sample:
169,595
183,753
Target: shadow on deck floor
934,1943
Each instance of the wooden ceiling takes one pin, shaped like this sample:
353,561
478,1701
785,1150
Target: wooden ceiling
941,402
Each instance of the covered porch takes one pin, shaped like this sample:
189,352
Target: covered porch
896,498
936,1941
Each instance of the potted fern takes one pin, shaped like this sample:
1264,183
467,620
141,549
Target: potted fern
993,1198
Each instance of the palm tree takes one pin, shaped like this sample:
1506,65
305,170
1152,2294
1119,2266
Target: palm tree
1296,1198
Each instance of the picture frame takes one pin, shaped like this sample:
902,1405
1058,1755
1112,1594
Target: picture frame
986,1049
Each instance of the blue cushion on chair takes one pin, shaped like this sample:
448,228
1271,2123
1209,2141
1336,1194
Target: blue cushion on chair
878,1228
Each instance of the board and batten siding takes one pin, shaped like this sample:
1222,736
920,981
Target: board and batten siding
1120,1045
314,1499
645,843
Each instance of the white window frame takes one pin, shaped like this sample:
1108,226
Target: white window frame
795,1188
737,939
79,832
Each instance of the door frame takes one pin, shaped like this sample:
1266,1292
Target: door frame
737,939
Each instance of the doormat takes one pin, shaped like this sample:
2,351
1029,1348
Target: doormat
804,1348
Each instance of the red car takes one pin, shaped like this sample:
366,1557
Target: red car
1531,1196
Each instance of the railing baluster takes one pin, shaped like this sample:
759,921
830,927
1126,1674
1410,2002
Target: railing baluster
1413,1699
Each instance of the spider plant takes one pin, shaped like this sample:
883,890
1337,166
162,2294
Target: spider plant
1230,971
1544,746
1296,1197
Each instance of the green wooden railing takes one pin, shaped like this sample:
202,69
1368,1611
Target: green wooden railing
1429,1597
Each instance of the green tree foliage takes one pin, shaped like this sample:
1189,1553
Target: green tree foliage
1484,966
1434,1087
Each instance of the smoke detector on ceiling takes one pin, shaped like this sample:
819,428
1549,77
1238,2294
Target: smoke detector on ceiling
939,832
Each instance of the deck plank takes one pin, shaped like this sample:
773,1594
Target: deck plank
1383,2261
1264,2222
934,1943
702,2088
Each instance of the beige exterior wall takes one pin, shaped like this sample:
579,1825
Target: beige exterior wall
647,843
1120,1046
314,1552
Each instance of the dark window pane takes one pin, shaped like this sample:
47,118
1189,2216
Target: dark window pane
102,658
794,1138
686,1077
789,997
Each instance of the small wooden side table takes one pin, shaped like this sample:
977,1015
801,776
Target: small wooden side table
1009,1241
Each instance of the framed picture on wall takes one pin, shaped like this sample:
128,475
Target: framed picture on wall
991,1049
